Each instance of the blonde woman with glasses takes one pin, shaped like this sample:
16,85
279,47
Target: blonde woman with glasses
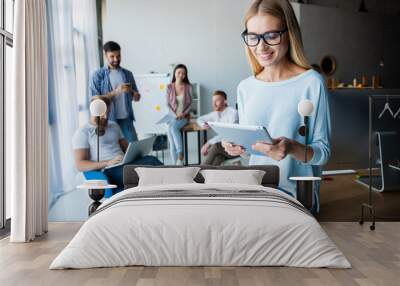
282,77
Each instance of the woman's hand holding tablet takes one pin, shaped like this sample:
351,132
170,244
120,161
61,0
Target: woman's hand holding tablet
240,138
277,151
237,139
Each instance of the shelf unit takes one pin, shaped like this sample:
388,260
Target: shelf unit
196,101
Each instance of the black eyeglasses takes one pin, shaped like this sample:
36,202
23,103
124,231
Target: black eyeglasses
270,38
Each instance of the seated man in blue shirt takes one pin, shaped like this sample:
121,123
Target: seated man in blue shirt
118,83
111,151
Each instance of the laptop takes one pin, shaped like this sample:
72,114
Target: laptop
136,150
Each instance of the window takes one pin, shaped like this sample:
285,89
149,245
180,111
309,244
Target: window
6,65
9,12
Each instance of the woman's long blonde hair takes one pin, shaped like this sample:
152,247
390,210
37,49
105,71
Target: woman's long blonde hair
283,10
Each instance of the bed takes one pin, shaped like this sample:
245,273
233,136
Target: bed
198,224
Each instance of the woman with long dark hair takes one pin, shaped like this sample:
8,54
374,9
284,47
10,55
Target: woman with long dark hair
179,99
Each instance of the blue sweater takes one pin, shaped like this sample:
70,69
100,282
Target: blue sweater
274,105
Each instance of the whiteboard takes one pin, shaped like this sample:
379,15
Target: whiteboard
152,104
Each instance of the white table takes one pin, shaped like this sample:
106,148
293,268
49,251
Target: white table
96,193
304,186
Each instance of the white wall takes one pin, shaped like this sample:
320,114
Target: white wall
204,35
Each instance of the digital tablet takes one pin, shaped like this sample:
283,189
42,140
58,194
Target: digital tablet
244,135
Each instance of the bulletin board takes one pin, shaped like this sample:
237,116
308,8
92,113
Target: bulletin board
153,103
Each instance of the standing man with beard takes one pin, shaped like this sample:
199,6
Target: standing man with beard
118,84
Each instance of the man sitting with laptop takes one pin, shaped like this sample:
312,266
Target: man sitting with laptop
112,148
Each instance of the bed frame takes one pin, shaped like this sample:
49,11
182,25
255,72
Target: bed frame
270,179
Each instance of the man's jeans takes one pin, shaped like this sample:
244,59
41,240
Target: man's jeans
128,129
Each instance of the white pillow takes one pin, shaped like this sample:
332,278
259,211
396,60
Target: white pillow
166,176
248,177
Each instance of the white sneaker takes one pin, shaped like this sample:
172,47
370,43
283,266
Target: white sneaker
179,162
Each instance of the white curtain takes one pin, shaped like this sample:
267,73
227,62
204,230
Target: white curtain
28,123
73,56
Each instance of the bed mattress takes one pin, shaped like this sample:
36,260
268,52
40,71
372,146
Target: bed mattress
201,225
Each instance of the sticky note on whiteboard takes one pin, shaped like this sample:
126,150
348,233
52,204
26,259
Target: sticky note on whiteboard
162,86
158,108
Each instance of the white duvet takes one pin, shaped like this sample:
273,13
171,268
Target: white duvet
201,231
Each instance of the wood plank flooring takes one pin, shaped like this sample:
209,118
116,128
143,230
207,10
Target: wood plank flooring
341,198
375,257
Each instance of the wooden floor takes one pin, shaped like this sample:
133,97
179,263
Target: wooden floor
341,198
375,257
